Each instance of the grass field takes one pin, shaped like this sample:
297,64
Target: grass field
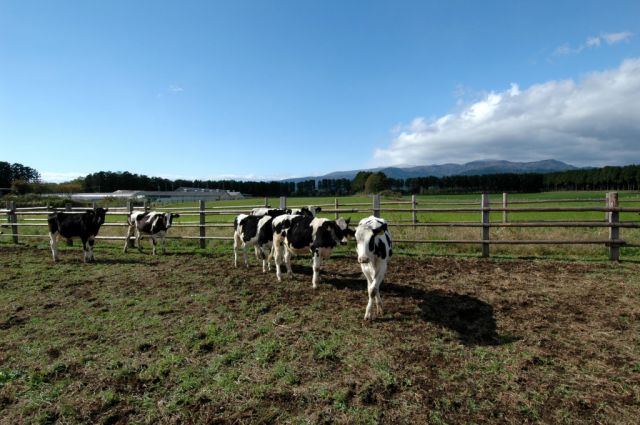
592,252
186,338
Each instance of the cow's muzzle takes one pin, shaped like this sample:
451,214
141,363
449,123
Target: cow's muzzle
363,260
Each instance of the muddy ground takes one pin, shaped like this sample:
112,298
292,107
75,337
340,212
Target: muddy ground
187,338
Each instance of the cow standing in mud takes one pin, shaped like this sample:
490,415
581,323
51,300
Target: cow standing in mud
374,249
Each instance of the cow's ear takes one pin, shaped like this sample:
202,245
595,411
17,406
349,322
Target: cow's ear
382,228
347,221
176,215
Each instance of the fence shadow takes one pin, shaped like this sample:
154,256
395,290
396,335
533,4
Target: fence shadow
472,319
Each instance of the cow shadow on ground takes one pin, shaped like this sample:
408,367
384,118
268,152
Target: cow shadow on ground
471,318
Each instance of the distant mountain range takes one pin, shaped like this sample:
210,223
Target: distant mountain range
441,170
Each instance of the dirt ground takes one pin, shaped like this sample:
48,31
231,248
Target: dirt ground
187,338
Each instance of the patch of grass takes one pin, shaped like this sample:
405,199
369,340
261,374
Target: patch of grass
266,350
188,339
327,348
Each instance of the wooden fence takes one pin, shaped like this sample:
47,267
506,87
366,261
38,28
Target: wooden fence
611,210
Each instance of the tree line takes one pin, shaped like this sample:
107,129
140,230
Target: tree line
22,179
10,173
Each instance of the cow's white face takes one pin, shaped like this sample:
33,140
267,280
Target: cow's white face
363,236
343,224
168,218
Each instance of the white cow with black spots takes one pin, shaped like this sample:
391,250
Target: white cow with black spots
374,249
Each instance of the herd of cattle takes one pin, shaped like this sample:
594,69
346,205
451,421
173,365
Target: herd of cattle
275,234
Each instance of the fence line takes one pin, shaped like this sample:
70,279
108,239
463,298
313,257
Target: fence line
612,222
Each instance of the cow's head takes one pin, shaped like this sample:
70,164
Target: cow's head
342,230
168,219
309,211
366,239
100,215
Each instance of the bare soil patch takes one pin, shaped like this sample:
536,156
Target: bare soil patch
187,338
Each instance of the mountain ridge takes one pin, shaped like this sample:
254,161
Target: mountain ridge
478,167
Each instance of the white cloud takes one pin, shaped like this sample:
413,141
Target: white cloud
593,42
616,37
172,89
593,121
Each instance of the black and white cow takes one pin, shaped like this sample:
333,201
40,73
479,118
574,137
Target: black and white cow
303,234
153,223
310,210
68,225
255,230
274,212
374,249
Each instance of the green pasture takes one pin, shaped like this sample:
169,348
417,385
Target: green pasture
389,211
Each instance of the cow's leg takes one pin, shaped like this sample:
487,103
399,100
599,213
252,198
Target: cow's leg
126,239
54,245
91,242
244,255
287,261
85,253
138,237
236,243
259,250
382,268
267,258
368,274
153,241
317,262
371,290
271,256
278,254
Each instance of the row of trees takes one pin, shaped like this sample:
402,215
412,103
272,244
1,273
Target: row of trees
23,179
364,182
605,178
10,174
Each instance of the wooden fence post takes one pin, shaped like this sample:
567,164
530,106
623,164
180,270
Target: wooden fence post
485,225
146,205
376,205
266,202
336,207
505,204
614,231
607,204
414,215
13,219
283,203
203,229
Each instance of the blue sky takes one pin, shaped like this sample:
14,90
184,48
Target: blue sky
275,89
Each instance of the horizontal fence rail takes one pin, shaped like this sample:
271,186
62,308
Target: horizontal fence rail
36,217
